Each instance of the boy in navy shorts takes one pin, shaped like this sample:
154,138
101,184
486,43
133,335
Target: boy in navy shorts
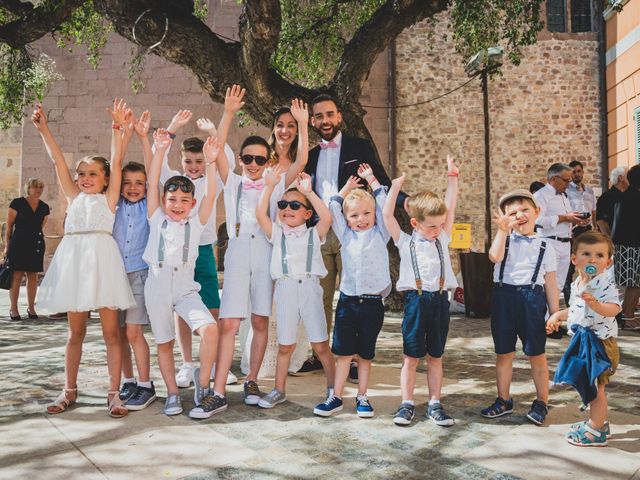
425,274
524,286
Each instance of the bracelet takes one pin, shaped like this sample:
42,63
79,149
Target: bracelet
116,126
172,136
452,174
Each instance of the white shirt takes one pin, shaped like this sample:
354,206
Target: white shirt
209,234
365,261
605,291
551,205
328,169
174,237
522,259
249,199
297,251
581,200
428,263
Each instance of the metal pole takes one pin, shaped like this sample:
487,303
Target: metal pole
487,169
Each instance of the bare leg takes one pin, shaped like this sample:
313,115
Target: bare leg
326,358
127,366
184,340
32,287
111,335
540,374
434,377
282,365
364,370
228,328
408,377
14,292
208,347
598,409
504,373
342,372
136,339
167,367
73,351
260,325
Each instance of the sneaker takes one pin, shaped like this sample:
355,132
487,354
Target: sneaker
184,376
252,393
231,378
209,405
353,372
437,414
173,405
141,399
404,414
271,399
127,390
538,412
310,365
327,408
499,408
363,407
199,391
606,429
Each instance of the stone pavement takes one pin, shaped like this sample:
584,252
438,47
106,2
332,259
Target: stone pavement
288,441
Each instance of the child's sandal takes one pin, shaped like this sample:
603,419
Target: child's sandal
587,436
62,402
115,406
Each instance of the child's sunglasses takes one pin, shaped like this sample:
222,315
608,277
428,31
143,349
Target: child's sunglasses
259,159
293,204
185,185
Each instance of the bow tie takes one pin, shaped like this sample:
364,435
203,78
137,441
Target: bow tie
297,232
522,238
420,238
179,222
330,144
248,185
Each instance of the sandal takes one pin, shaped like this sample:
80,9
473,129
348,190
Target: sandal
63,401
499,408
606,429
587,436
115,406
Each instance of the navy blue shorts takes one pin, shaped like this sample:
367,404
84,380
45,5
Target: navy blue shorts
358,323
425,325
518,311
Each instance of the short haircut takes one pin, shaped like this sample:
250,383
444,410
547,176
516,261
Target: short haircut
592,237
357,195
556,169
633,175
134,167
425,204
513,200
295,190
104,163
33,182
616,173
535,186
325,97
179,181
255,140
192,144
575,163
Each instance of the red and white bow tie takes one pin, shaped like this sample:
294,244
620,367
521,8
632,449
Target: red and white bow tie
330,144
248,185
297,232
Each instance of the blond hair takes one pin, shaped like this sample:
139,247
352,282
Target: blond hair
425,204
357,195
33,182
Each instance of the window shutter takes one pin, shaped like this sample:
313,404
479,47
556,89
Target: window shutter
556,16
581,16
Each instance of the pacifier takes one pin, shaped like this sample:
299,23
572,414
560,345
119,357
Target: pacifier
591,270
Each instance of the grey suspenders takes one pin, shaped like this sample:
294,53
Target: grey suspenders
238,197
536,271
283,249
185,247
416,270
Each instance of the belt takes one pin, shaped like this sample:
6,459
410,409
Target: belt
560,239
89,232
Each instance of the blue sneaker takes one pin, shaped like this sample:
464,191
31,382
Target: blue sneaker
363,407
327,408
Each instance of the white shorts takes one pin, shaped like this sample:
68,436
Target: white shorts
299,299
248,287
136,315
563,256
170,289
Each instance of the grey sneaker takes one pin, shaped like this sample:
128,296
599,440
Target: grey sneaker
127,390
141,399
199,391
272,398
437,414
173,405
210,404
252,393
404,414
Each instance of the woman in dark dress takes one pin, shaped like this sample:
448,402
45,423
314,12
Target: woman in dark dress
24,245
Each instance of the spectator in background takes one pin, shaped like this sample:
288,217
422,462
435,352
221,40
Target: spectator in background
625,233
535,186
606,202
24,244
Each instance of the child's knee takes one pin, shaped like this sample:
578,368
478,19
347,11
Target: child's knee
321,347
259,324
229,327
286,349
77,333
411,362
134,333
209,333
164,348
538,360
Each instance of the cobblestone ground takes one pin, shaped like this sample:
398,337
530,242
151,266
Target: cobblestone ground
288,441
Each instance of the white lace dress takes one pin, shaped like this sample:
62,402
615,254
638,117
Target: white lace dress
86,272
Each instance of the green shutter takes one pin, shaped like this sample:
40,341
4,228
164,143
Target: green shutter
636,121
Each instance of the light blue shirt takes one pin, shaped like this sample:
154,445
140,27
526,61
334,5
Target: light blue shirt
365,261
131,232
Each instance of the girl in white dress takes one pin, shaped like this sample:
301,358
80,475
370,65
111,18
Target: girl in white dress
87,272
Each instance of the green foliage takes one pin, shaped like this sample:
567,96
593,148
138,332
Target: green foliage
200,9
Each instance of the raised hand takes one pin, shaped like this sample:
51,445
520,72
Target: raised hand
504,222
365,172
128,124
398,182
207,126
452,168
300,111
179,120
161,139
233,98
304,183
39,118
353,182
273,176
119,111
211,149
142,124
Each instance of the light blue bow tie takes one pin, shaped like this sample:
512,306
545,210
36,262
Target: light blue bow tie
519,238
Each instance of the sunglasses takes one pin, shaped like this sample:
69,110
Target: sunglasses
293,204
184,185
259,159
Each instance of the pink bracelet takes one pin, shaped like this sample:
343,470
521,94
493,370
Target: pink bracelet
452,174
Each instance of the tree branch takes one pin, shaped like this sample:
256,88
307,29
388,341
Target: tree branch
33,23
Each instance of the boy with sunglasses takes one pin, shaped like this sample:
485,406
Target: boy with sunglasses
297,267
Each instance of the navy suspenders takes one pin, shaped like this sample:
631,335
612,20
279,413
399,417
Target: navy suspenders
536,271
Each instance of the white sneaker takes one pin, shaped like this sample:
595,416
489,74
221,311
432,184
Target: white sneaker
184,376
231,378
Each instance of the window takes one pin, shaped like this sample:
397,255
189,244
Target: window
556,16
581,16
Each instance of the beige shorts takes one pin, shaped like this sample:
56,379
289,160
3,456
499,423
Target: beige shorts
613,352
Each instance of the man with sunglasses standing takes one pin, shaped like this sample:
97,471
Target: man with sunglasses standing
330,165
557,218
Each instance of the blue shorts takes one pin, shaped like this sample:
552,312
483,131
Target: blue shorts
518,311
425,325
358,323
206,275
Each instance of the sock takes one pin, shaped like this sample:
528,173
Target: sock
338,397
145,384
360,396
187,364
434,402
205,392
218,394
129,380
409,402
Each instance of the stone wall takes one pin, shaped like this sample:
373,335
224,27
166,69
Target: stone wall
10,153
545,110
